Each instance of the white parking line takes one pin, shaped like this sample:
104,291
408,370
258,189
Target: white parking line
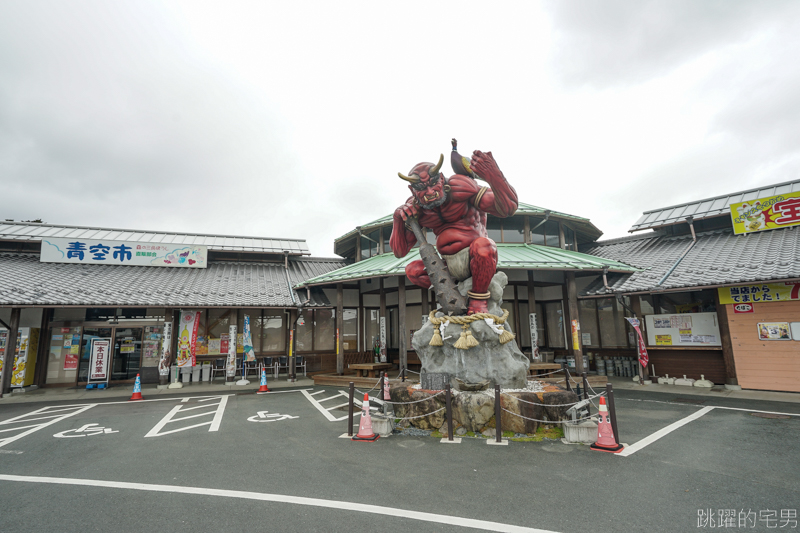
327,411
630,450
60,414
282,498
213,425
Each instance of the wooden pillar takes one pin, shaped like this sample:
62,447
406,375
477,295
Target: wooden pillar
402,339
339,328
43,351
517,321
727,343
562,242
358,246
576,348
526,230
8,358
361,345
382,325
532,308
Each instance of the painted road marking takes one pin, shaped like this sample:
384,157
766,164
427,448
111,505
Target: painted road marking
87,430
327,411
213,425
50,414
266,416
282,498
630,450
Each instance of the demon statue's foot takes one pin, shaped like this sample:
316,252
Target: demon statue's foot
477,306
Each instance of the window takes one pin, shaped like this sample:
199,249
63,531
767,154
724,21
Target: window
324,329
494,228
514,229
219,321
369,244
551,233
537,233
304,331
555,325
372,327
272,330
687,302
588,316
350,333
612,323
569,240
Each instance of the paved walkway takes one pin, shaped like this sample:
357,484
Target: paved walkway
55,394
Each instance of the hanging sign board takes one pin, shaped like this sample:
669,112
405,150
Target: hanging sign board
98,360
105,252
771,212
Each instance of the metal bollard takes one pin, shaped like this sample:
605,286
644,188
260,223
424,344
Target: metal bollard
612,411
380,389
403,373
449,411
566,376
350,410
585,387
498,425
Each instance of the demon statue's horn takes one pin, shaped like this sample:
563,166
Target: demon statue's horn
434,171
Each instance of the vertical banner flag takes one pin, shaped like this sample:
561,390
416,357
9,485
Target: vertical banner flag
247,341
166,350
383,339
534,336
643,359
187,339
230,365
576,329
98,362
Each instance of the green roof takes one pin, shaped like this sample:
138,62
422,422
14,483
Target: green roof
523,209
510,257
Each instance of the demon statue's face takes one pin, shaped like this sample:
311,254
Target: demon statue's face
427,184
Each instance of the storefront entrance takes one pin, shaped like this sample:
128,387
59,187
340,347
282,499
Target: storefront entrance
136,350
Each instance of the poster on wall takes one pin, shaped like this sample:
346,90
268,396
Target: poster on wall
774,331
770,212
187,338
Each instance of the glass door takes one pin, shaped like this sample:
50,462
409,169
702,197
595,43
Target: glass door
90,333
127,352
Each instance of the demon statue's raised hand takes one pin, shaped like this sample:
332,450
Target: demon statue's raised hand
455,210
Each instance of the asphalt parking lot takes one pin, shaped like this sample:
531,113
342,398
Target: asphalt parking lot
275,462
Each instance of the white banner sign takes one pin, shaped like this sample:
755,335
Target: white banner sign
166,350
230,366
98,363
105,252
383,339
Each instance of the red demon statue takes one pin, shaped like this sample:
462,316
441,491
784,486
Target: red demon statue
455,210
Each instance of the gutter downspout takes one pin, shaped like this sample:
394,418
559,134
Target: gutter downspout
288,281
605,279
689,220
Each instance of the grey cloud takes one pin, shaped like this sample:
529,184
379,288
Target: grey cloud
604,43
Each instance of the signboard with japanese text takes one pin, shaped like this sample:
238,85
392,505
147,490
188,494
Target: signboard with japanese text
762,292
98,361
772,212
105,252
774,331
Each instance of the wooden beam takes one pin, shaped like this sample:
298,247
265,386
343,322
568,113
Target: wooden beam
562,242
339,328
402,339
358,247
43,351
727,344
8,357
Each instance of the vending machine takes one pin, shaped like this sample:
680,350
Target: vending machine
25,360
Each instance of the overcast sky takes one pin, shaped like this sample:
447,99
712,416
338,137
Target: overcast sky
292,118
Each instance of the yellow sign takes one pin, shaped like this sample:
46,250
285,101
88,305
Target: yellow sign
763,292
663,340
772,212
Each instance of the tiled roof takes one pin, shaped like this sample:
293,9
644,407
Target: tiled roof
717,258
26,281
509,256
710,207
32,232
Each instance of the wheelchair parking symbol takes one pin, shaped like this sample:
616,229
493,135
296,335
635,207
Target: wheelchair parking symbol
266,416
85,431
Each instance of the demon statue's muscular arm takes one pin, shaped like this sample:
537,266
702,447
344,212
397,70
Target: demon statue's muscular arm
501,200
403,239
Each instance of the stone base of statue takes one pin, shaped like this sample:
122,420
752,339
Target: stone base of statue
487,358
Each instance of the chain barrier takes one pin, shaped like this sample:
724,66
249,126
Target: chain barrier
421,416
550,404
547,421
415,401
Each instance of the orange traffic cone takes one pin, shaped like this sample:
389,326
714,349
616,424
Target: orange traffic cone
365,426
263,389
605,433
137,389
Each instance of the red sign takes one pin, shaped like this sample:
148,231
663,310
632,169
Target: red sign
743,308
70,361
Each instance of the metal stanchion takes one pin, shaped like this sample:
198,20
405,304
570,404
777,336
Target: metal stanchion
566,376
498,423
612,411
403,374
350,410
449,412
585,386
380,389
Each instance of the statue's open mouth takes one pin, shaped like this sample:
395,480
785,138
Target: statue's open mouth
432,197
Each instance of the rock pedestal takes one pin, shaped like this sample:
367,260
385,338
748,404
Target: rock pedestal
501,364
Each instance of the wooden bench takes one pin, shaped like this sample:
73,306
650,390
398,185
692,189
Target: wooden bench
537,368
368,369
